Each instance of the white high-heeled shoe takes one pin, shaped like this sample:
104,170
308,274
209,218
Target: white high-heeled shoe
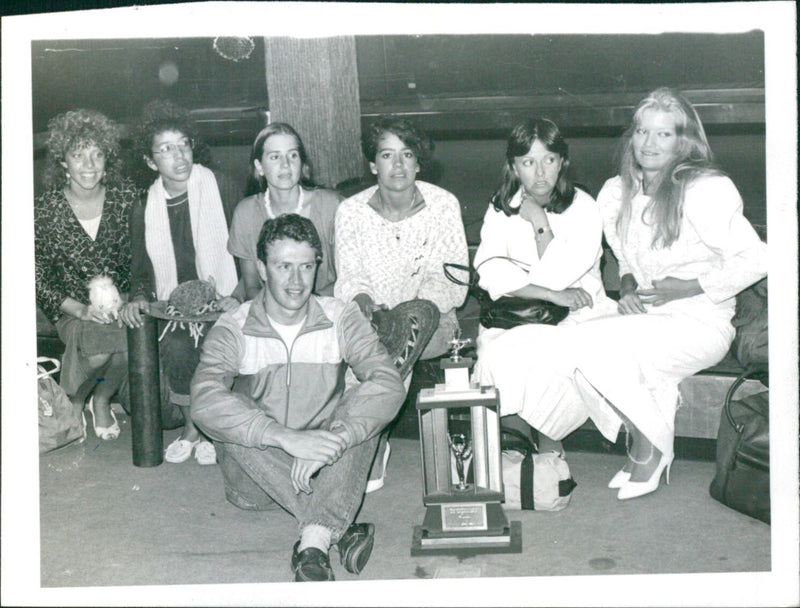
106,433
634,489
619,480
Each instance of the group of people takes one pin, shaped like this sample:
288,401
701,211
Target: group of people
299,273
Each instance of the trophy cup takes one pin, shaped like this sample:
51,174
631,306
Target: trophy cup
462,478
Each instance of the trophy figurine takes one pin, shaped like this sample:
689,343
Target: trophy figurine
461,450
456,344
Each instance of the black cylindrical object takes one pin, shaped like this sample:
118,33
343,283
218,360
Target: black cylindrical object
148,443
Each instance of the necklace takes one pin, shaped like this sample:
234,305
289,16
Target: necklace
268,204
405,212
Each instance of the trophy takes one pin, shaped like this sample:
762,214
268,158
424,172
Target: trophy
462,475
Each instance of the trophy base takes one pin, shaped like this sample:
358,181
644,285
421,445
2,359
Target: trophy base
466,529
465,546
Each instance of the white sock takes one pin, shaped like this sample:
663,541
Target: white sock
314,535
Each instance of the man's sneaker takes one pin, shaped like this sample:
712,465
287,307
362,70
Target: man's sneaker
311,564
355,546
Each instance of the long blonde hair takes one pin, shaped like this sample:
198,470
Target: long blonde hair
693,159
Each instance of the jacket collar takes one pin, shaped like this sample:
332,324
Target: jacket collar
257,322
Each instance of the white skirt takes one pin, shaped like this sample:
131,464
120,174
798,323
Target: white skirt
557,377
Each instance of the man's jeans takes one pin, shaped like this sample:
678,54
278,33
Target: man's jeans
260,480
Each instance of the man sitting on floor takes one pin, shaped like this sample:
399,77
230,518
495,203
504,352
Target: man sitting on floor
270,391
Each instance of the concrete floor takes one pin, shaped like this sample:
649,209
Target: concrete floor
105,522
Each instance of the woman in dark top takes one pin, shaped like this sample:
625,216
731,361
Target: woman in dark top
81,232
180,234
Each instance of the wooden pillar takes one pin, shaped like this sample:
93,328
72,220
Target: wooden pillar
313,85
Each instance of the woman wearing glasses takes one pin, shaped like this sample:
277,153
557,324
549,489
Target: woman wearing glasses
81,232
180,235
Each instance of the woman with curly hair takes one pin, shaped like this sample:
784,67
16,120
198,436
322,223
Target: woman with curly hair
81,232
179,235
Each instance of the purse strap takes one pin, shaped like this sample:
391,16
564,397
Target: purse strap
472,272
757,373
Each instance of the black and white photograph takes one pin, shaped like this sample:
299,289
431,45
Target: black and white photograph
422,304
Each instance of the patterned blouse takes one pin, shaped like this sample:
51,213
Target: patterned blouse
66,256
393,262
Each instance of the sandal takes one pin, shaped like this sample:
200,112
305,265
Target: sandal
179,450
106,433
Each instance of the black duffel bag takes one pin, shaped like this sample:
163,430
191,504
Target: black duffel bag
508,311
742,477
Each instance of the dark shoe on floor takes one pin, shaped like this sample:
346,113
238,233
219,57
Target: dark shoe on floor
355,546
310,564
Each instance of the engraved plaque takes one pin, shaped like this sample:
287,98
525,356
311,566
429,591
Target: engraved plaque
464,516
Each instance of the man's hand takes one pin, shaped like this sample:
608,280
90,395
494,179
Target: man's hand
669,289
302,471
319,445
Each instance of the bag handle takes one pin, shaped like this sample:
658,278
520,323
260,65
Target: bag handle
470,272
747,374
43,373
529,445
473,272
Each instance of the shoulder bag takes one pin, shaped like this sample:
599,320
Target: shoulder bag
59,423
741,481
508,311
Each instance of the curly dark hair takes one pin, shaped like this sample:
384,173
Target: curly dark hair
288,226
405,130
163,115
76,130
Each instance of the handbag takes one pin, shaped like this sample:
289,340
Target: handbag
751,343
532,481
507,311
741,481
59,423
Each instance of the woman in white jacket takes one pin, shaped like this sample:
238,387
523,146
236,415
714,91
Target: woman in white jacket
685,250
552,233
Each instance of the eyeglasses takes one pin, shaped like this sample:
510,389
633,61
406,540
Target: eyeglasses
183,146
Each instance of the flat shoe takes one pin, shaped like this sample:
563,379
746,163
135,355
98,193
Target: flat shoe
310,564
204,453
355,546
106,433
179,450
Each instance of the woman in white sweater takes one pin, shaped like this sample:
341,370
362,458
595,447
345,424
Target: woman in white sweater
393,238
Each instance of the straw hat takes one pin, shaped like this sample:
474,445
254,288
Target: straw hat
405,331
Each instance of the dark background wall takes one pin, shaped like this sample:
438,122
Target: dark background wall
466,90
